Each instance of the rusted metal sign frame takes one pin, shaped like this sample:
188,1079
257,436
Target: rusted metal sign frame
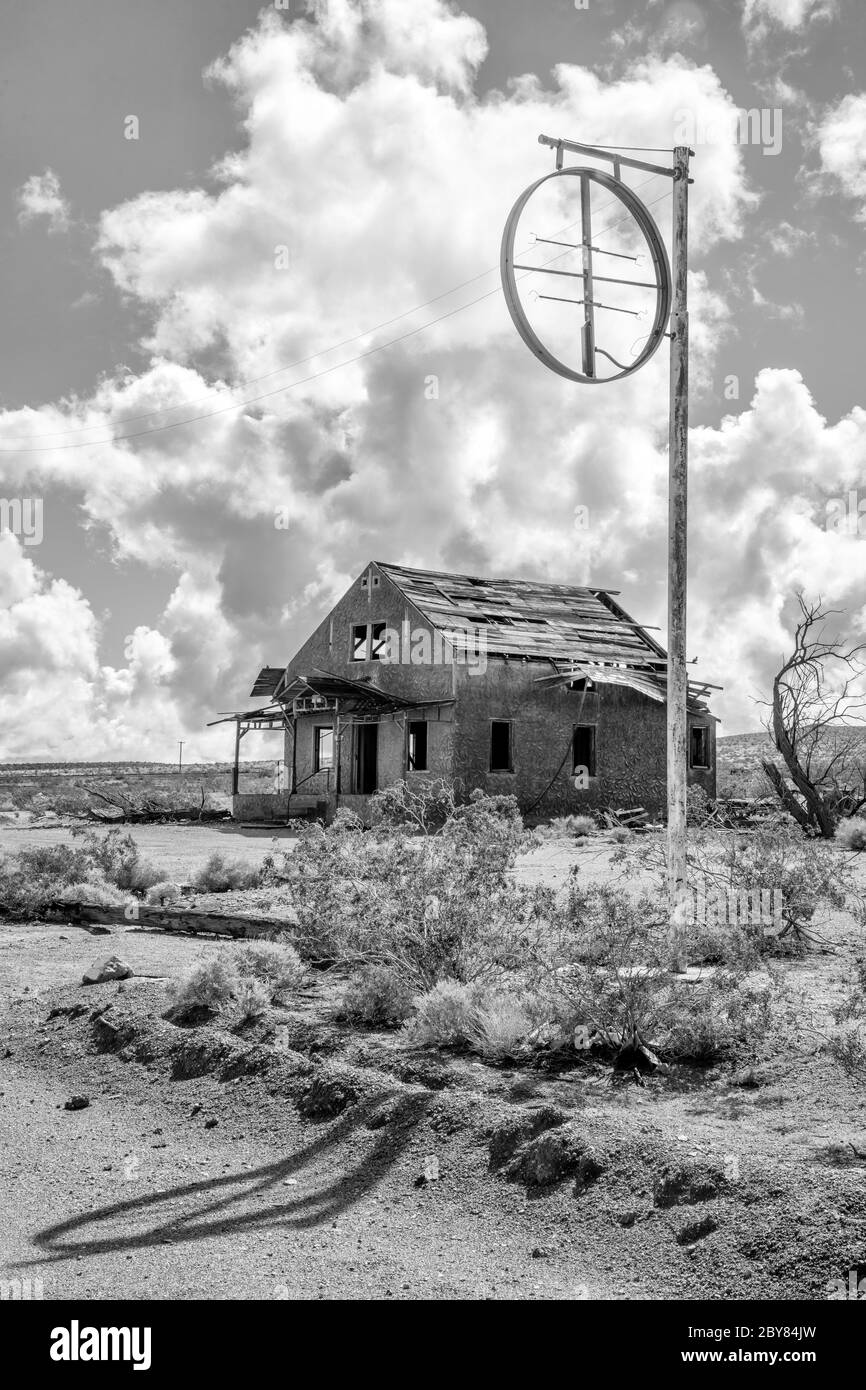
677,675
658,253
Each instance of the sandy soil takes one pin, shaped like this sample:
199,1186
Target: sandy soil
133,1196
142,1195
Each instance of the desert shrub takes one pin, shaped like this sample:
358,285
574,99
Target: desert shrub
502,1026
697,805
428,906
853,1006
94,891
253,999
851,834
781,859
378,997
620,835
209,985
769,859
714,1019
847,1046
163,892
221,875
606,982
118,858
423,807
601,970
572,827
33,878
273,963
445,1016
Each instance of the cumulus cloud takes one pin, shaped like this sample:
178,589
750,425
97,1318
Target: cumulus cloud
382,184
40,197
791,15
841,141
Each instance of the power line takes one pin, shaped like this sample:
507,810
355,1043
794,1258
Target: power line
303,381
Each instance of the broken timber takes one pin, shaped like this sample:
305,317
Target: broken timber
178,919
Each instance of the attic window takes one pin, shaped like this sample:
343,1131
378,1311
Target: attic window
378,633
699,746
359,642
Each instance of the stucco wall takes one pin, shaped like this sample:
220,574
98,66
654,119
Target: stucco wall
630,740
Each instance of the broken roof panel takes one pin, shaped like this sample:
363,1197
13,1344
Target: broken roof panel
267,682
521,617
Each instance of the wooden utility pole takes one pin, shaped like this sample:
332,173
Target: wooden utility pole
677,693
180,744
236,767
671,317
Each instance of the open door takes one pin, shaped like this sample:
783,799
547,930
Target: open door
366,758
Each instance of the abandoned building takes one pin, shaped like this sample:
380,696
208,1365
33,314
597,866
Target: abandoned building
546,691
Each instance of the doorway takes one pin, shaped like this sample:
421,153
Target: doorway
366,758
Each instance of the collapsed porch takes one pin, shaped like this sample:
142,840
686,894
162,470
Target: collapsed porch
355,710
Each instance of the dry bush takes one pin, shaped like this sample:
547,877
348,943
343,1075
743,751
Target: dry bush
428,906
847,1046
603,979
767,859
221,875
163,892
570,827
32,879
502,1028
716,1019
118,858
423,807
274,964
253,999
851,834
377,997
209,985
96,892
445,1016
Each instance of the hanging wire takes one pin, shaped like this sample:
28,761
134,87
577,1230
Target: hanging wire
321,352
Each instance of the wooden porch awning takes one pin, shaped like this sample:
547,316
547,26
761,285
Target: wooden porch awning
355,697
323,691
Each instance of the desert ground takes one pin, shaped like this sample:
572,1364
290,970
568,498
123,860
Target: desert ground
299,1156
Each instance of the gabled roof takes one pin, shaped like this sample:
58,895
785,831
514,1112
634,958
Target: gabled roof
583,631
520,617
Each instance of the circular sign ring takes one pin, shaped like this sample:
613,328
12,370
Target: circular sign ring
657,250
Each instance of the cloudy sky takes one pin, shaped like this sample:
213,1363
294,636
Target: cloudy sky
239,242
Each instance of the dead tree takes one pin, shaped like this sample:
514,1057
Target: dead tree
814,695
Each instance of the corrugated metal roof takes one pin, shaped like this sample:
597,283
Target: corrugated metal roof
581,629
521,617
267,681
